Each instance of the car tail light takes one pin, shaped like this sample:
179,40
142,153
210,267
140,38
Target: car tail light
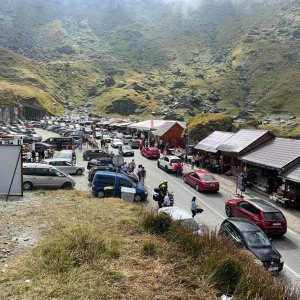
265,223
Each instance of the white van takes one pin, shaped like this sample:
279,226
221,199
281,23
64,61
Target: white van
45,176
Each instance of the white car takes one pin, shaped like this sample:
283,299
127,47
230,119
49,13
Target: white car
64,166
116,143
66,155
183,216
168,162
106,138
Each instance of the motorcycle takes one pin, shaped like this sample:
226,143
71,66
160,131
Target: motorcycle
159,196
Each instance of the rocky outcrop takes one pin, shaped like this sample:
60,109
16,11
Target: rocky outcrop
124,107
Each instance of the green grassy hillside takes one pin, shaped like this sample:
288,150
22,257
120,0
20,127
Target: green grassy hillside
218,57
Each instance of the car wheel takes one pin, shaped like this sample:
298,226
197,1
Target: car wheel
184,179
228,211
67,185
27,186
166,169
158,164
79,172
100,194
137,198
197,188
88,158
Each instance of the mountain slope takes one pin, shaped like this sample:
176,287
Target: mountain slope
150,56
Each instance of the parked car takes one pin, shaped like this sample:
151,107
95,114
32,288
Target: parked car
126,150
64,165
111,168
42,146
168,163
106,138
36,137
100,161
181,215
135,143
151,152
116,143
268,217
107,179
98,134
249,236
94,153
45,176
66,155
201,180
126,139
60,143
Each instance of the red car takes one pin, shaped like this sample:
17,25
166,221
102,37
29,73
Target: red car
202,181
151,152
269,218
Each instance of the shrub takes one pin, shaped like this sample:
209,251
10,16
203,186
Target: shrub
149,248
71,248
156,223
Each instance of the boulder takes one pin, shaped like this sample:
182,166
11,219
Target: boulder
109,81
138,87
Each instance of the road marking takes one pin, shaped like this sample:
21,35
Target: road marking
292,271
292,231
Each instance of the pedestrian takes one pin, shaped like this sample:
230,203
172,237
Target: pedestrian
33,155
143,176
46,153
141,146
139,169
102,144
179,169
193,162
197,160
73,157
131,166
161,145
194,207
106,147
124,167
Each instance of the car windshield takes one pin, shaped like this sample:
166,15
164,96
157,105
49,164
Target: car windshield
273,216
208,177
117,141
190,224
126,148
64,155
174,160
256,239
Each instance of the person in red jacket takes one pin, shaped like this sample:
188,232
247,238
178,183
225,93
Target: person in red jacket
178,168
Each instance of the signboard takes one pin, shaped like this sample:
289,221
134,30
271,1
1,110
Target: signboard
118,160
11,166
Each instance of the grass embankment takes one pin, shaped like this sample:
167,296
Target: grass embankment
107,249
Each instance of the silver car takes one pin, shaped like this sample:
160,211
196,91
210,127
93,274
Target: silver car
64,165
45,176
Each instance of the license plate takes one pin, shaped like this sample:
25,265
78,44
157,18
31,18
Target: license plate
273,269
212,184
276,224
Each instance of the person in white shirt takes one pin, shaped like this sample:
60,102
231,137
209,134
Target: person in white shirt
167,201
124,167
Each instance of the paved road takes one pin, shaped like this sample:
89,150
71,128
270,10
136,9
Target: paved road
213,205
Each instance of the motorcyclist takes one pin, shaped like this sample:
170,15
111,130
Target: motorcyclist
163,189
163,186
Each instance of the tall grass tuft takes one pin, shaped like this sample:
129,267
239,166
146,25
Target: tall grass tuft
228,274
156,223
71,248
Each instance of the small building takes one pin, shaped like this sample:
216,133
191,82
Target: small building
268,161
211,143
238,144
171,133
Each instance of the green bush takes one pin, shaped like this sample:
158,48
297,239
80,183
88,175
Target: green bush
149,248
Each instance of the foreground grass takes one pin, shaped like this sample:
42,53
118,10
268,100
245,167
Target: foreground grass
107,249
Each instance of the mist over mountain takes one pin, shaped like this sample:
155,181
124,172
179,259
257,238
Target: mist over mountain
135,57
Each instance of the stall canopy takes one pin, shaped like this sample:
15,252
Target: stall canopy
151,124
278,154
293,174
163,129
245,140
213,141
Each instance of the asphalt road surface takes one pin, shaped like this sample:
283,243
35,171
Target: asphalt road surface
212,203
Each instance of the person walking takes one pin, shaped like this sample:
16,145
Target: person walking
194,207
197,160
193,162
143,176
179,168
131,166
33,155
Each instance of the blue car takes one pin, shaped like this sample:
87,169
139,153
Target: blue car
108,184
